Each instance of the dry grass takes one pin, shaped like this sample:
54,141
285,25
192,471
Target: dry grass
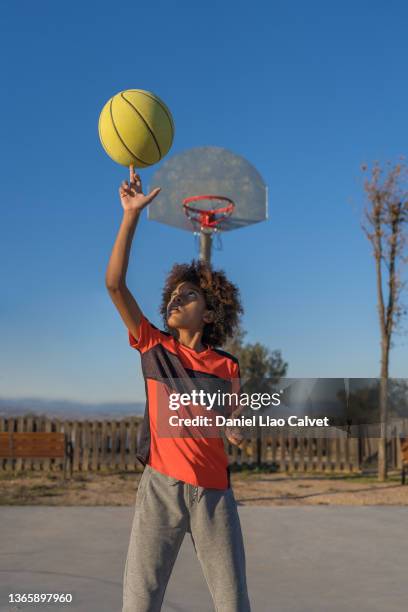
309,490
250,488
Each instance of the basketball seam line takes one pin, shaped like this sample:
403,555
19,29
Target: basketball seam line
120,138
161,104
145,122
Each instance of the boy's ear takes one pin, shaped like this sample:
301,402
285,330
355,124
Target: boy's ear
208,316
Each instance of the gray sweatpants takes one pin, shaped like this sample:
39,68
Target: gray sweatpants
167,508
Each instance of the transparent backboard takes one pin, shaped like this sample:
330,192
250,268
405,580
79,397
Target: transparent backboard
208,171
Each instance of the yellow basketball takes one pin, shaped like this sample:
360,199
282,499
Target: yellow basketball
136,127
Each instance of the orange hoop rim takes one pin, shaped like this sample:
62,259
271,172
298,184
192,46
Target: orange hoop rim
205,217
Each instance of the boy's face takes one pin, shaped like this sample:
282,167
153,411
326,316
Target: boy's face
187,308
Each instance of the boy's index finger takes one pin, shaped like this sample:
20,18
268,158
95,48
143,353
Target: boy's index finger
131,172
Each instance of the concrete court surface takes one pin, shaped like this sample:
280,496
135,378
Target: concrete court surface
299,559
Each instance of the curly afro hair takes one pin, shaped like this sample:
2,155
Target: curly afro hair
220,295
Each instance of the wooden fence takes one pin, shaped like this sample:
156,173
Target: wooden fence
110,445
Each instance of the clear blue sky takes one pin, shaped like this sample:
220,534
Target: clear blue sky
307,91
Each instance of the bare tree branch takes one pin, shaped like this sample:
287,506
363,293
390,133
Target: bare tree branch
385,226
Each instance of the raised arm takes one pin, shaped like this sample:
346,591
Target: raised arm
133,202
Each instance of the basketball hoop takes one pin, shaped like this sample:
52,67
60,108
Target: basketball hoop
208,170
210,211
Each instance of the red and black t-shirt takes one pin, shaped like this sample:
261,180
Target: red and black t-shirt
169,367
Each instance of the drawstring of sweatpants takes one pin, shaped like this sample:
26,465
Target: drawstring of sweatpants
197,493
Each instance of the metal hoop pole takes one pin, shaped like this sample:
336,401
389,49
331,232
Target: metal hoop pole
205,246
206,219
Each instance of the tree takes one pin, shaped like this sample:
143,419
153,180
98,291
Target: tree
260,370
385,220
361,405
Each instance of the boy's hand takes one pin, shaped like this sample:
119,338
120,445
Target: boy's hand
234,435
131,194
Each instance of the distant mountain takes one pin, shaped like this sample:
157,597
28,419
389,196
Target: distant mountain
66,409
